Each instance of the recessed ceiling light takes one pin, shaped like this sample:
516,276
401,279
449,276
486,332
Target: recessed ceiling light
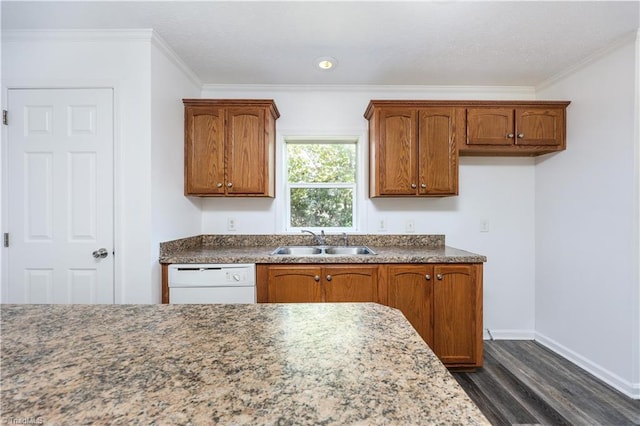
326,62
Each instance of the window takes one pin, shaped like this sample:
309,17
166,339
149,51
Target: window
321,184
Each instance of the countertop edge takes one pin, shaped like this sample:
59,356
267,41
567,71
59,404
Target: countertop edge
262,255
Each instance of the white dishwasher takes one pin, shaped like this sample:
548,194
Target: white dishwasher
207,283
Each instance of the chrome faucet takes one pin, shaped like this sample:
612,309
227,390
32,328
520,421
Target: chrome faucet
345,239
320,239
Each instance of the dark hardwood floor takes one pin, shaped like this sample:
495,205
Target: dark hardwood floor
522,382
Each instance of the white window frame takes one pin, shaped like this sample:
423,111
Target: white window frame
353,186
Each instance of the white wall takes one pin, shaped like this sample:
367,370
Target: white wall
587,257
172,214
500,190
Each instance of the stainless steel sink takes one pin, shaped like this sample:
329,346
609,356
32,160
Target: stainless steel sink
349,250
318,250
298,250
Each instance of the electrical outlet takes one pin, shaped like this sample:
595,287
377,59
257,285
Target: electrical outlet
382,224
410,226
484,225
231,224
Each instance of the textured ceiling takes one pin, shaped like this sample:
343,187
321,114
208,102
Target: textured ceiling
375,43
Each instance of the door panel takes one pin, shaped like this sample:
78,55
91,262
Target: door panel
294,284
397,152
454,339
438,151
60,193
204,150
351,283
411,291
246,151
539,126
490,126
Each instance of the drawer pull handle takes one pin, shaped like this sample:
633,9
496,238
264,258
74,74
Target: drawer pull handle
439,276
317,278
329,277
427,277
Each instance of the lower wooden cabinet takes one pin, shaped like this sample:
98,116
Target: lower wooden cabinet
443,302
313,283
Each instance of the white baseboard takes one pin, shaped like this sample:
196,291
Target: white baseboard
632,390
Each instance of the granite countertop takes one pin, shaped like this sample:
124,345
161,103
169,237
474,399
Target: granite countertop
258,248
227,364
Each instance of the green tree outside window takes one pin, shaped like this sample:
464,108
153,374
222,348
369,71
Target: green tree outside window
321,178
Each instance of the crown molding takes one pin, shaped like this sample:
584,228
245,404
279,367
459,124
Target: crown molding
116,35
126,35
170,54
616,44
413,91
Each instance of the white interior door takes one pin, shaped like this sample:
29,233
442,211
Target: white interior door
60,193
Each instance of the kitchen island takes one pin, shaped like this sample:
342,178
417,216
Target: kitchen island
228,364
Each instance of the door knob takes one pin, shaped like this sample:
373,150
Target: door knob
101,253
329,277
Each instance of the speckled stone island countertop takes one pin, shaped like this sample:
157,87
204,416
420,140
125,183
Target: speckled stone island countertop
330,364
258,249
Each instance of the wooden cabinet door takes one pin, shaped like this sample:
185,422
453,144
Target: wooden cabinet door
437,151
490,126
540,126
396,152
204,150
350,283
246,151
457,334
294,284
410,290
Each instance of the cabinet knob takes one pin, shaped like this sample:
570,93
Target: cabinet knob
520,135
427,277
219,185
509,135
329,277
229,185
439,276
423,185
414,186
317,278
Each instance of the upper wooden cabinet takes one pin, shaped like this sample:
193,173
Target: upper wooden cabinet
229,147
503,128
413,148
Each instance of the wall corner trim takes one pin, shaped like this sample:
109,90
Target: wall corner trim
164,47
